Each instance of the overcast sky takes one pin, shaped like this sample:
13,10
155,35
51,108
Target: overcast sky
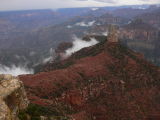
41,4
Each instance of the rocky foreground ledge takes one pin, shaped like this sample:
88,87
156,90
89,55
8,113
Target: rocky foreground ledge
12,97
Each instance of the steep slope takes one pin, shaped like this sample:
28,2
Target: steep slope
105,81
142,37
139,30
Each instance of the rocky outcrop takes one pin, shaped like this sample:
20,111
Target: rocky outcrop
12,97
113,34
102,82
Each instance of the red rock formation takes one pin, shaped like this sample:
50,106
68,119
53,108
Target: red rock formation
103,82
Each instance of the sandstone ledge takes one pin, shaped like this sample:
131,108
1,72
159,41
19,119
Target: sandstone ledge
12,97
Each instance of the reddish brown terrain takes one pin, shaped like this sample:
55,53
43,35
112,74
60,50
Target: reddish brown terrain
103,82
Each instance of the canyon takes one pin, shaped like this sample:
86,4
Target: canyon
114,77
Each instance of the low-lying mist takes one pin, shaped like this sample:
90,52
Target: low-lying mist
84,24
15,70
79,44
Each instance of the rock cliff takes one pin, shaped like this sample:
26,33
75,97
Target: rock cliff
142,37
12,97
139,30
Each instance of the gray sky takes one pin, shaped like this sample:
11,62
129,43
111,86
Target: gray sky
40,4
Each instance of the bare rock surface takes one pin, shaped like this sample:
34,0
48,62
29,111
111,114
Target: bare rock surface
12,97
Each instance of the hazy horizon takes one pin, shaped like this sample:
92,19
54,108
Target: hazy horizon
14,5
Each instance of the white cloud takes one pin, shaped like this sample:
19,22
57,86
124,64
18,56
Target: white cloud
105,33
49,59
15,70
40,4
79,44
83,24
94,9
107,1
69,26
